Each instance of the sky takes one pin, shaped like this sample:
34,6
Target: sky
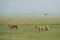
30,8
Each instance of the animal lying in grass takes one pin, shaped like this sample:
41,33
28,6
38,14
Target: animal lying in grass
42,28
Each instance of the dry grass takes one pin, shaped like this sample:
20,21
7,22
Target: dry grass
26,29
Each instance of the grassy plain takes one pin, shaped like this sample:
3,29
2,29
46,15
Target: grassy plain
26,29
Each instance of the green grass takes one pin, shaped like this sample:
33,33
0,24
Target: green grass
26,29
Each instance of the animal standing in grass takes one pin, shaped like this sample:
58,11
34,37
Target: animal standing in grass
42,28
13,26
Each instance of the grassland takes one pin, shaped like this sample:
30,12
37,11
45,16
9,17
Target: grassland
26,29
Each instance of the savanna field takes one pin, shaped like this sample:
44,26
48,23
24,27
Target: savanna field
26,30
